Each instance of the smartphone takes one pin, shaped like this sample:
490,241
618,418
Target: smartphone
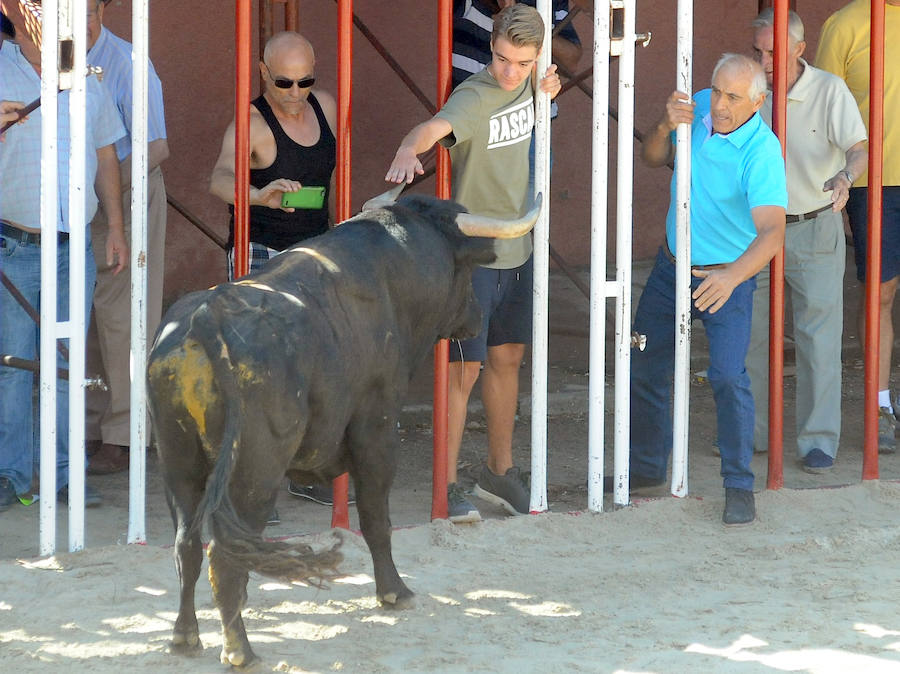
305,197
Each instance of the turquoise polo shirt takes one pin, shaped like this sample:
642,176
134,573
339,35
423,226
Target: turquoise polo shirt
730,175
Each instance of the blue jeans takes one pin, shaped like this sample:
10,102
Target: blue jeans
728,332
19,336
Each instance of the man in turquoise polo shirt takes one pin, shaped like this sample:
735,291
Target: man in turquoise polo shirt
738,201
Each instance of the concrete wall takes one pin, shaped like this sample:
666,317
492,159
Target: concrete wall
192,47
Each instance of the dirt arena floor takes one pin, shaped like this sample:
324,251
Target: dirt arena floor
660,586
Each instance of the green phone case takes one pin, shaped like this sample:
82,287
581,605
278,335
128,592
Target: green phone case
305,197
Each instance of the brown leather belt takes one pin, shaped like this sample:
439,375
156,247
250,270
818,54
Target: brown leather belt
701,267
24,237
812,215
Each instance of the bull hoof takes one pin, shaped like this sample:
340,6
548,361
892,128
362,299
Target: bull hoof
185,649
398,600
238,658
185,644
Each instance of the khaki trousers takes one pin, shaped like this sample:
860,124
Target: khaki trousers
109,335
814,259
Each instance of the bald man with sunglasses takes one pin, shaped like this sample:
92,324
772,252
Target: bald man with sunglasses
292,145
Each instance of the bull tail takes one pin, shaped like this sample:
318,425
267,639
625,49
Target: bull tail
235,540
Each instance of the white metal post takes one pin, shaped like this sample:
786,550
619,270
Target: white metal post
600,288
49,216
138,439
62,19
683,257
539,348
624,213
77,261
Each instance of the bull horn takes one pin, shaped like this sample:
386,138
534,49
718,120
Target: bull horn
498,228
385,199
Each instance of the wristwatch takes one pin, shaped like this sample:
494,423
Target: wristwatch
848,175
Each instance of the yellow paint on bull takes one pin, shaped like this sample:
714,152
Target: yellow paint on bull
248,376
192,374
196,387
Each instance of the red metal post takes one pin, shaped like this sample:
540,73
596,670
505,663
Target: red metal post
291,15
873,249
265,23
768,3
440,419
394,65
775,479
242,138
340,516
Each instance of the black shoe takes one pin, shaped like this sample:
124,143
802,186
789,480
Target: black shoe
317,493
92,497
816,461
7,494
635,482
739,507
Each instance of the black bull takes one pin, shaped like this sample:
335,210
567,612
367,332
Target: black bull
301,369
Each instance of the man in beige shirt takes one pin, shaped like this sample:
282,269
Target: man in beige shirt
826,149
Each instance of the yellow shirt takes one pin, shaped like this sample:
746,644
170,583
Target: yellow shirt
844,51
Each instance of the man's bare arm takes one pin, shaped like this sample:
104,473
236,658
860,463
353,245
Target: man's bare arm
221,182
9,112
406,162
658,149
106,184
856,160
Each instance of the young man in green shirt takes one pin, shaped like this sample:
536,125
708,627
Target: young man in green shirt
486,124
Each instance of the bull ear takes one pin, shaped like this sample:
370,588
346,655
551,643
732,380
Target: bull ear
385,199
497,228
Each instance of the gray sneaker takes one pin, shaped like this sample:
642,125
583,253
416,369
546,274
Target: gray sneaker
510,491
886,426
459,509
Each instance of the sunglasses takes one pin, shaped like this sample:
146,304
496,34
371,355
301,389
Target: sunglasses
284,83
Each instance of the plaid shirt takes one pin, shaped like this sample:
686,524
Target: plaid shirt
20,153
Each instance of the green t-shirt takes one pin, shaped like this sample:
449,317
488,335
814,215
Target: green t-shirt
489,154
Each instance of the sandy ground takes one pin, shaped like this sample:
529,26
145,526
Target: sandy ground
660,586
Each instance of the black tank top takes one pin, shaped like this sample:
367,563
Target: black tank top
311,166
